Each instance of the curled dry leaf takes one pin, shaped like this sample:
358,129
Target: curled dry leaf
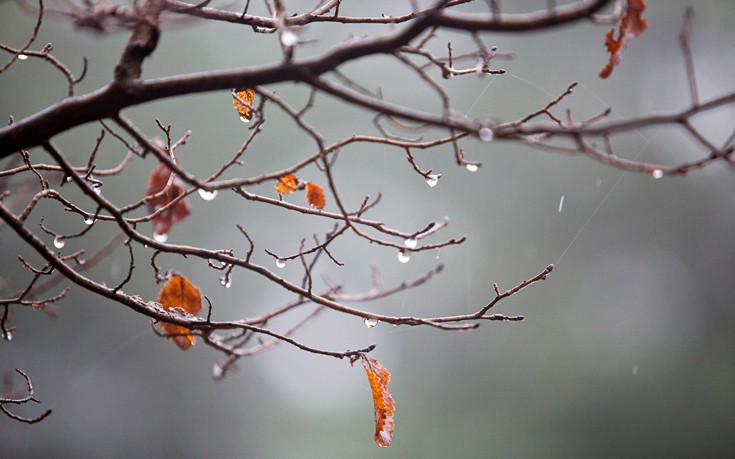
176,212
315,195
379,377
178,292
631,25
287,184
242,99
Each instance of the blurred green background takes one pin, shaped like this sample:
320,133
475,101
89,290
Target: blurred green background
627,350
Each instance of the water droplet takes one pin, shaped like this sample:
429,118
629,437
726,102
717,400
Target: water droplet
160,237
22,57
226,283
280,263
433,179
370,323
289,38
403,257
561,203
97,188
88,220
657,174
244,120
59,242
8,336
472,167
486,134
410,243
207,195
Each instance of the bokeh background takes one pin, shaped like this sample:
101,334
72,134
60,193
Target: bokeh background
627,350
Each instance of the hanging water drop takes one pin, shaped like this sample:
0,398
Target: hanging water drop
207,195
97,188
8,336
657,174
410,243
289,38
163,237
486,134
280,263
225,282
369,322
244,119
88,220
472,167
433,179
403,257
59,242
22,57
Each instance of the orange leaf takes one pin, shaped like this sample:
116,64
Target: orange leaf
631,25
315,195
379,377
287,184
175,213
178,292
245,110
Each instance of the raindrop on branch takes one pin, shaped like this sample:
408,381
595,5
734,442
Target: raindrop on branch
403,257
160,237
433,179
472,167
657,174
410,243
486,134
370,323
59,242
226,283
22,57
207,195
280,263
88,220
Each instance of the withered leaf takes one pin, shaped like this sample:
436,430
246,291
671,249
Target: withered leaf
287,184
631,25
176,212
245,110
379,377
178,292
315,195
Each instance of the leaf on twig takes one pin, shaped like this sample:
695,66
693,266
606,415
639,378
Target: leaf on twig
315,195
245,110
157,183
287,184
631,25
178,292
379,377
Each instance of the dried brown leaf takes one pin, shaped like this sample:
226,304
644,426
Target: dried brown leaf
315,195
178,292
379,377
631,25
178,211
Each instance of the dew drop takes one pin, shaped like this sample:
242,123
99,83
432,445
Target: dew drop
280,263
226,283
244,119
403,257
472,167
59,242
561,203
22,57
8,336
486,134
207,195
433,179
370,323
97,188
160,237
410,243
88,220
657,174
